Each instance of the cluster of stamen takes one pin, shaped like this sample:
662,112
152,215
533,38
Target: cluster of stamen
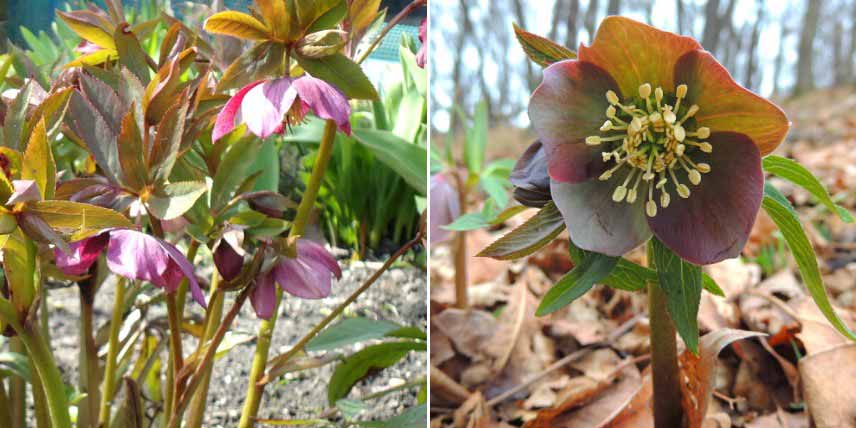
650,138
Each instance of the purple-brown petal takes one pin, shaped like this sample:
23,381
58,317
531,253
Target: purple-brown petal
530,178
227,261
568,106
597,223
325,100
263,297
445,207
714,223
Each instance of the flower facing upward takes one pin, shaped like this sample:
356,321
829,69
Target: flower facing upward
133,255
645,133
308,275
270,106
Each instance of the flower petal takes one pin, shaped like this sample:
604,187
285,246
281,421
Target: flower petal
82,254
265,105
724,105
529,177
303,279
186,269
308,250
596,222
263,297
25,191
327,101
714,222
568,106
422,54
445,207
225,122
136,255
227,261
635,53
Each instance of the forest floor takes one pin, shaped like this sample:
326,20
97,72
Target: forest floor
398,296
586,365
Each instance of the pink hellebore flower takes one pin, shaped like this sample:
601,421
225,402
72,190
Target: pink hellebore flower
133,255
308,276
86,47
268,106
422,55
445,207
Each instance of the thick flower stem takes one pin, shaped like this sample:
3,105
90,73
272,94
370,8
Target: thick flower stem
89,382
18,390
460,250
5,404
175,352
664,359
109,383
192,249
212,321
254,392
42,358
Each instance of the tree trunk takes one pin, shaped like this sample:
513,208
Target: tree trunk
805,63
838,60
851,54
590,20
571,26
557,17
751,64
458,67
779,62
712,26
614,7
520,15
680,17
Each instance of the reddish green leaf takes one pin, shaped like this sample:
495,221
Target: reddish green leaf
529,237
237,24
38,163
541,50
130,148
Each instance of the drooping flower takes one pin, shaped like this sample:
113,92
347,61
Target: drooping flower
646,133
133,255
445,207
308,275
270,106
422,55
530,179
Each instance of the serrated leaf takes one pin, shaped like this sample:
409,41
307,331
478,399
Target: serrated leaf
52,109
174,199
529,237
38,162
681,281
786,218
541,50
77,219
161,93
130,148
339,71
362,13
131,53
792,171
95,58
350,331
167,142
91,127
236,24
358,365
591,269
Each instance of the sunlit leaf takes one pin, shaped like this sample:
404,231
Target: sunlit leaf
77,219
792,171
38,163
237,24
341,72
358,365
174,199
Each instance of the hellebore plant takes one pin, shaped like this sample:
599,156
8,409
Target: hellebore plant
645,138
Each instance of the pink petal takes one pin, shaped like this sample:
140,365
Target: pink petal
25,191
225,122
325,100
86,47
301,279
263,297
82,254
309,250
264,106
184,266
422,55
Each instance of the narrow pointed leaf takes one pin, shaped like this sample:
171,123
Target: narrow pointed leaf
590,270
237,24
16,116
786,218
166,146
681,281
77,219
236,165
358,365
19,265
350,331
85,26
38,163
174,199
52,109
130,147
339,71
541,50
792,171
131,53
405,158
529,237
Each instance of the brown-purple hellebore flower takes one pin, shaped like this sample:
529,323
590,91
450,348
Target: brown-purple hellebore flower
646,133
445,207
308,276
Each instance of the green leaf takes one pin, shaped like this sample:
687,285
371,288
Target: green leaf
17,364
236,24
168,140
52,109
541,50
263,60
789,224
16,116
19,266
476,140
86,25
91,127
77,219
590,270
38,162
792,171
407,159
413,417
131,54
529,237
339,71
469,221
681,281
350,331
235,166
174,199
358,365
130,148
350,409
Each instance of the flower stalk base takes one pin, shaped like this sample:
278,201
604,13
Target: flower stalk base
665,373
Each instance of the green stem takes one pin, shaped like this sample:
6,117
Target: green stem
460,250
18,390
215,313
176,356
88,358
5,404
192,249
42,358
109,383
254,391
668,412
40,402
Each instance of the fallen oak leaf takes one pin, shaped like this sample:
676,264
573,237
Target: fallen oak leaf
828,393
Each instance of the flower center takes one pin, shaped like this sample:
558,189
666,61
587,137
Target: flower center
295,116
651,138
